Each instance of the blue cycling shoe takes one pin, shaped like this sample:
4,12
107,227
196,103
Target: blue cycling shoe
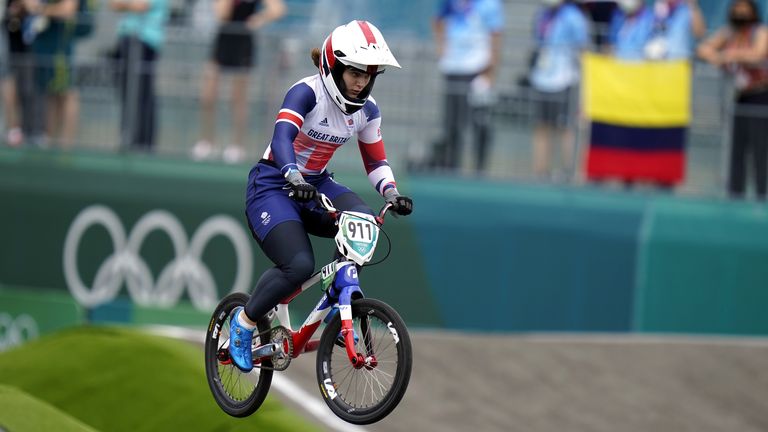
240,339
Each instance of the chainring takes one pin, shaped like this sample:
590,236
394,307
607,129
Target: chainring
282,358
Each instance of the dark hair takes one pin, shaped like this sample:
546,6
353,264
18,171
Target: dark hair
756,18
315,53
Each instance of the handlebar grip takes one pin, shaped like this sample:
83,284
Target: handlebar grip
325,202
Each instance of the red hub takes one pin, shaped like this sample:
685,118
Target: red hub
371,363
358,361
223,356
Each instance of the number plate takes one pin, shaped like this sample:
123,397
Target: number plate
357,237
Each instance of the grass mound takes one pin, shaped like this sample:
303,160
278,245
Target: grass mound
20,412
115,379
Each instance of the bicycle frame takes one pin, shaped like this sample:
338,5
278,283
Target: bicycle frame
343,287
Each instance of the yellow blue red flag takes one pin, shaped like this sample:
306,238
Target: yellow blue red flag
639,114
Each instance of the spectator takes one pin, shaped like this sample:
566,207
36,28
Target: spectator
468,38
233,53
141,33
663,30
561,32
7,87
675,25
631,26
18,85
741,49
50,28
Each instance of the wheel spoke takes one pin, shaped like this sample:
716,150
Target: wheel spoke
348,369
361,388
368,392
237,393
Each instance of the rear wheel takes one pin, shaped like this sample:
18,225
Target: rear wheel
366,394
238,394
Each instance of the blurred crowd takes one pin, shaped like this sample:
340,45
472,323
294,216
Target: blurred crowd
468,43
41,102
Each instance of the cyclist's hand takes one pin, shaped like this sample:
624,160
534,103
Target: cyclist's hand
301,191
401,204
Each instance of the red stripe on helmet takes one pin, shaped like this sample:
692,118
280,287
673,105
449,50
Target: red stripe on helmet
329,52
369,37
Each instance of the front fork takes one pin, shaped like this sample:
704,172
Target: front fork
347,285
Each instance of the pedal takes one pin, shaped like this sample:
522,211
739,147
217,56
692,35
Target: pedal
265,350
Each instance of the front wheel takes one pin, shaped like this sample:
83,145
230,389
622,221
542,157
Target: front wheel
365,394
238,394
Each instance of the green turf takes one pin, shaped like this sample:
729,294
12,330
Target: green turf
20,412
116,379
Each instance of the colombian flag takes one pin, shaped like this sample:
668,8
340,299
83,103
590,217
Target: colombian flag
639,114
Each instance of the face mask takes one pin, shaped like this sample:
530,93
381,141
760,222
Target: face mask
630,6
740,21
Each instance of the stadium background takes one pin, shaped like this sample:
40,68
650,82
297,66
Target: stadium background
495,254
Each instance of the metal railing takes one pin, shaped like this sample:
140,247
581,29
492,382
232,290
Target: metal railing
411,101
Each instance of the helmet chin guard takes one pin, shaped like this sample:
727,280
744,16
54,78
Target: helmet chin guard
360,45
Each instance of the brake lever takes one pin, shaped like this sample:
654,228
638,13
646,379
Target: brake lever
326,203
387,207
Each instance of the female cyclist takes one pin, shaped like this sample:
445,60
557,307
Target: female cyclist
320,113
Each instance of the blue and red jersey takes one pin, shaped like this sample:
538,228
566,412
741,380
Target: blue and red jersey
309,128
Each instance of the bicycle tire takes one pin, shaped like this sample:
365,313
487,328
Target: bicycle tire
384,329
234,391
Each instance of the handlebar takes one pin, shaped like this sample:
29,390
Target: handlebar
383,212
325,203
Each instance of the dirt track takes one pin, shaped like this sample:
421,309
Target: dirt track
464,382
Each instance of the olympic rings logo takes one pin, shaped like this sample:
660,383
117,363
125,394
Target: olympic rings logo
126,265
16,331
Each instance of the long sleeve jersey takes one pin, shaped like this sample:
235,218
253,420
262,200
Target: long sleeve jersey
309,128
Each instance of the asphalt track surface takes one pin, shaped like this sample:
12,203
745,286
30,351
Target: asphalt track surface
554,383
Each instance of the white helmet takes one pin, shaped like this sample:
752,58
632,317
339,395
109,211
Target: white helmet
358,44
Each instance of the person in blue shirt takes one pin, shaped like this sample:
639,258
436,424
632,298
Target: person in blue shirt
561,32
631,25
664,30
141,33
468,41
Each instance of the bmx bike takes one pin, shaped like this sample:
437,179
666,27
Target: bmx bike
364,355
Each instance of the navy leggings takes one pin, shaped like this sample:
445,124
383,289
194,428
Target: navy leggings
748,137
288,246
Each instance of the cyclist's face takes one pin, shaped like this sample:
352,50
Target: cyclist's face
355,81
